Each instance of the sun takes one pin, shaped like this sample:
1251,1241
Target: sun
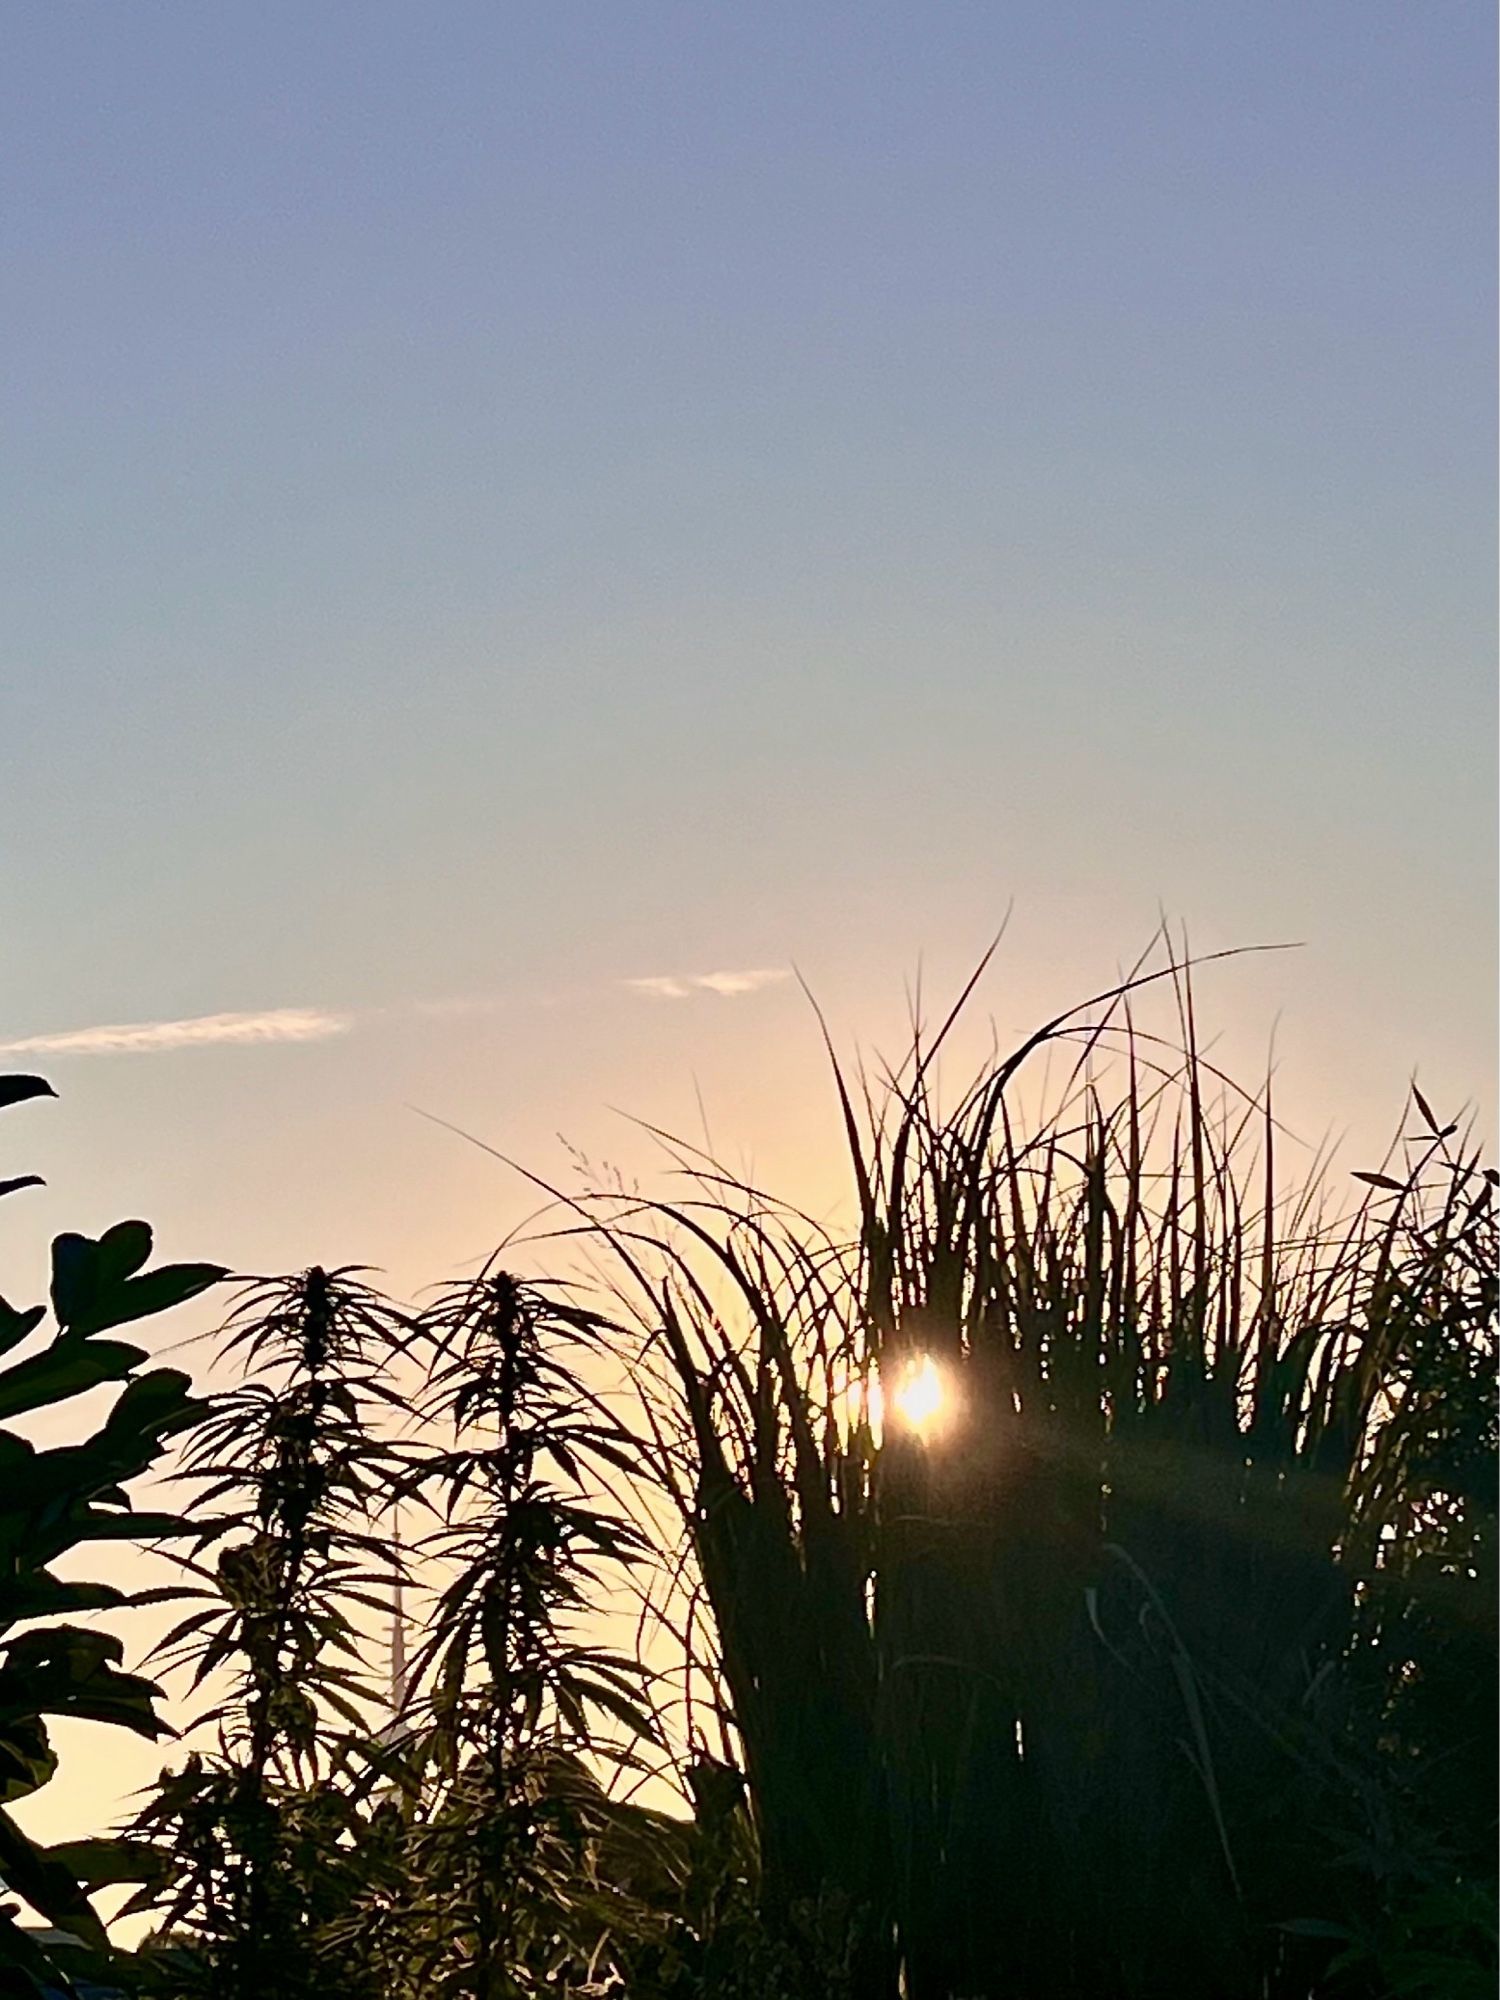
916,1397
920,1397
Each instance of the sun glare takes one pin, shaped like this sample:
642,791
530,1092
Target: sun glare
920,1396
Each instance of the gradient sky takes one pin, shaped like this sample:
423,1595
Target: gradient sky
504,501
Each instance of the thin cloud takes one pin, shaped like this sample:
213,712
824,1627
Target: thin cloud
139,1038
660,989
731,984
728,985
317,1024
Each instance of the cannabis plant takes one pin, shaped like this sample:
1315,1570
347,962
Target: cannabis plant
518,1849
292,1470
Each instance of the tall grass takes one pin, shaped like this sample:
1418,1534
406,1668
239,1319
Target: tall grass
1160,1662
1107,1687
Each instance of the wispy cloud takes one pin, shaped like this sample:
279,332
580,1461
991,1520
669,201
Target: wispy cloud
319,1024
137,1038
728,985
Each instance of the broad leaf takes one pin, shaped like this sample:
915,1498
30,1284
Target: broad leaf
47,1885
90,1292
101,1864
16,1323
123,1250
64,1370
17,1089
27,1758
65,1670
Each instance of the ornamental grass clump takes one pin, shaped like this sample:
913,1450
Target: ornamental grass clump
1076,1544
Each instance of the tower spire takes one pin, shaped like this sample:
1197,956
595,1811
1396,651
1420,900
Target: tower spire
398,1623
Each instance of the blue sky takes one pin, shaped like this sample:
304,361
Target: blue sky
509,500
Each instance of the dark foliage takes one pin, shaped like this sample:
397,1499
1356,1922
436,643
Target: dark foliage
290,1475
1154,1651
57,1499
1169,1664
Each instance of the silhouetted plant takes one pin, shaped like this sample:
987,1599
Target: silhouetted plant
1103,1688
56,1500
1164,1663
292,1471
510,1847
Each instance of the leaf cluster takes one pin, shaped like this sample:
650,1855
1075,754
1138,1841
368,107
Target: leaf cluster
57,1500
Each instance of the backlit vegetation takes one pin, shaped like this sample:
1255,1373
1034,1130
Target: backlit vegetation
1074,1578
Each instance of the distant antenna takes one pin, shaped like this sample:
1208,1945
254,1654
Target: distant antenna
398,1624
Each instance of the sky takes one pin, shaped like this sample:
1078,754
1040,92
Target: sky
525,523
